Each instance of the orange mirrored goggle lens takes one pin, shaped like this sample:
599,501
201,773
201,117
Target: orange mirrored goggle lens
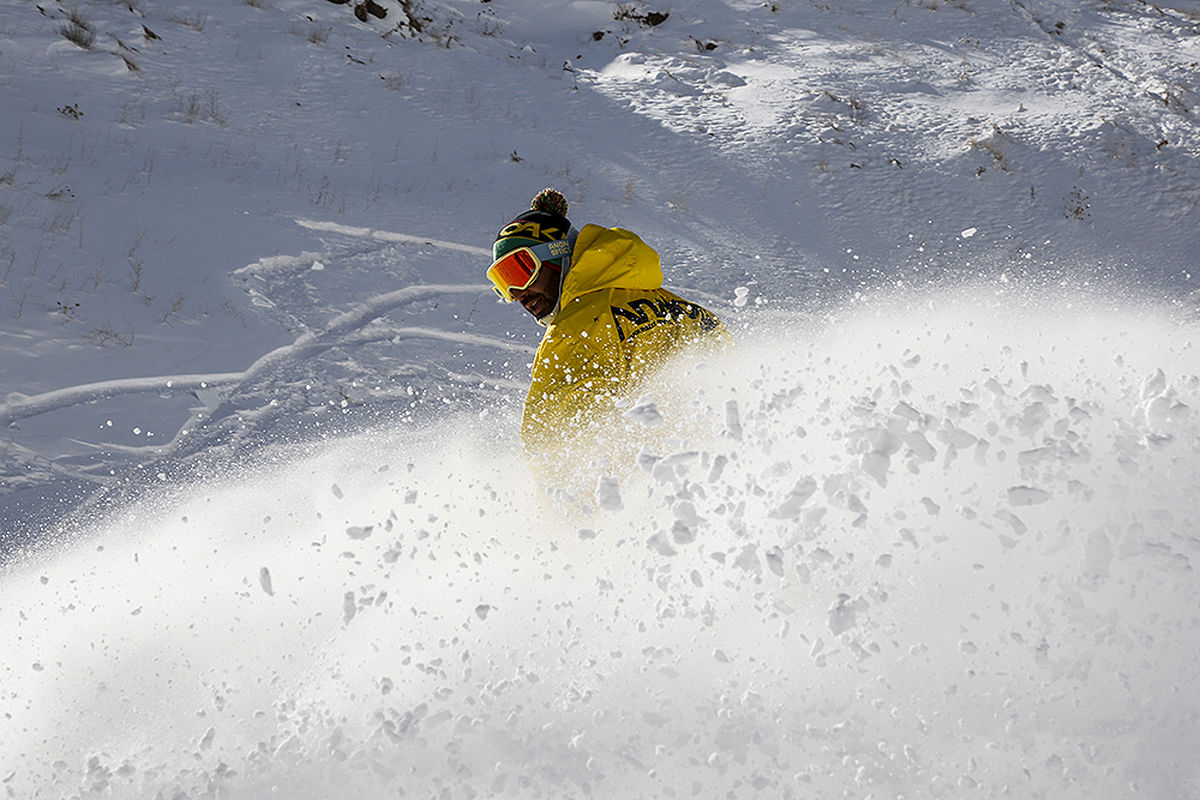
515,270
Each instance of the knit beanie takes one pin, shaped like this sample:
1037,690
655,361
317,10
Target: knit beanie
545,221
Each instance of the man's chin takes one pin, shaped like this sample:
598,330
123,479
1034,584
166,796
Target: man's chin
540,311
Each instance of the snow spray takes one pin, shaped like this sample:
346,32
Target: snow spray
921,547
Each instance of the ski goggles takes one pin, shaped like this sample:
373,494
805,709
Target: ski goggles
519,268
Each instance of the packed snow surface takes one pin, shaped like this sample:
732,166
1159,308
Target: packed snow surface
929,530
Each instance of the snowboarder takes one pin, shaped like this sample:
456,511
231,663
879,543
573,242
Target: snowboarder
608,320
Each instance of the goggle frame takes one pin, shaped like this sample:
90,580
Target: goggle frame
547,251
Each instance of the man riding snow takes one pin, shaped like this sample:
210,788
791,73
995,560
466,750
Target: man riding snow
608,320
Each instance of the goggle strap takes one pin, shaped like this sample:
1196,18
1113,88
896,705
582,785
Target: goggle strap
551,251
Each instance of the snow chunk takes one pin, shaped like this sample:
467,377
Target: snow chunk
608,494
647,460
718,467
747,560
796,498
920,446
844,612
685,512
1164,413
1028,458
1154,384
955,436
359,532
1040,393
876,465
682,534
1014,522
1032,418
659,543
646,412
668,468
264,579
1027,496
733,420
775,560
878,461
883,441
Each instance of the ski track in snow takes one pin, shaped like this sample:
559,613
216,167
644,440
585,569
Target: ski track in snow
347,328
220,393
18,406
388,236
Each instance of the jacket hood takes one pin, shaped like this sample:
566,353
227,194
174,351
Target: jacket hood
609,258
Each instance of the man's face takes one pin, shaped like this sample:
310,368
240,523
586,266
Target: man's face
540,297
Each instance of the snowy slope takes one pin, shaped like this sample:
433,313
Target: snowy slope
929,533
168,198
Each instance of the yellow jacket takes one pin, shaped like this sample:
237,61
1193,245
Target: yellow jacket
614,325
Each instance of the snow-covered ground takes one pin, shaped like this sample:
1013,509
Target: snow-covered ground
928,532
